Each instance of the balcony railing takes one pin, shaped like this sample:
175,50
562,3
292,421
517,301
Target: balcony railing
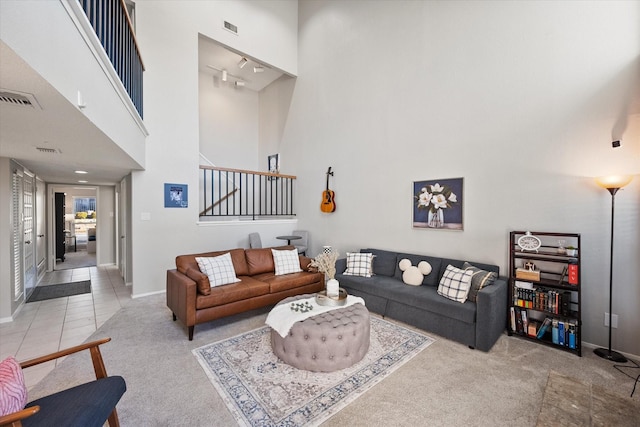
112,24
228,193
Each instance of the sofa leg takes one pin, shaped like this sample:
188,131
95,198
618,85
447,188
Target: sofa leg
174,317
472,347
191,333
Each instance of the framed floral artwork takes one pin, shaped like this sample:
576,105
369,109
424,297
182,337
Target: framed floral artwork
437,204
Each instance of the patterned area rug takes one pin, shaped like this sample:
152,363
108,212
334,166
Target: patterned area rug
261,390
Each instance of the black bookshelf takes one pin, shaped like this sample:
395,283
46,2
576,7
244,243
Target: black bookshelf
546,284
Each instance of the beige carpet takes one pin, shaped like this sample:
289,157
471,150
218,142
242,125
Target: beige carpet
445,385
570,402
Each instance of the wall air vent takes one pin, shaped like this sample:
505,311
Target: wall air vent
18,99
230,27
48,150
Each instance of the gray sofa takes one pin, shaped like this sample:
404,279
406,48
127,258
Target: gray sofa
477,324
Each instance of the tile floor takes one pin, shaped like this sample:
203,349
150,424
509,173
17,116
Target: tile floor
44,327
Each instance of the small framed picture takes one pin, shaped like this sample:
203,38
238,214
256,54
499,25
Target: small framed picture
176,195
437,204
274,163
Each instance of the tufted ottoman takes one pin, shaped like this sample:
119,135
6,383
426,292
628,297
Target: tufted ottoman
327,342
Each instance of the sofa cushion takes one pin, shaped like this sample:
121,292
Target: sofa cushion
430,279
422,297
218,269
455,284
286,262
479,280
13,391
384,262
460,264
246,288
237,256
289,281
201,279
260,260
359,264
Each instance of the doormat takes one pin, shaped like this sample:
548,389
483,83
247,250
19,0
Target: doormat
261,390
46,292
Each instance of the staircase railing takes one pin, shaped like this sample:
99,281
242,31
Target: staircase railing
226,193
112,24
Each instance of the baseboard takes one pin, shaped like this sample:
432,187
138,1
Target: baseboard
148,294
593,346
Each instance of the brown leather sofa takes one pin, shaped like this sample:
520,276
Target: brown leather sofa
193,301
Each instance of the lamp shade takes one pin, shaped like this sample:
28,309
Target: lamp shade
613,181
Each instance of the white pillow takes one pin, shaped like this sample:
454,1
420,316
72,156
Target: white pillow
359,264
455,284
286,262
219,269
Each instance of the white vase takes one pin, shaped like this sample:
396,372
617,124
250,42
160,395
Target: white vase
333,288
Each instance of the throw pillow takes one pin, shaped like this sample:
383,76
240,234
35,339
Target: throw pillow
286,262
413,275
219,269
13,391
455,284
359,264
479,280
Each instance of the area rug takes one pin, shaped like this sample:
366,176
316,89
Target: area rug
261,390
568,401
41,293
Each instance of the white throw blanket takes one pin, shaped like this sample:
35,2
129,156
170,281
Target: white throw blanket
282,318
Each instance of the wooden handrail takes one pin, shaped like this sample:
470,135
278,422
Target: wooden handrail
247,171
133,33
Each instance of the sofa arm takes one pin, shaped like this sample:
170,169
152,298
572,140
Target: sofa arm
491,314
181,296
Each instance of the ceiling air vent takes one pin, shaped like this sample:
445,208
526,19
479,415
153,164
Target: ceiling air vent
230,27
18,99
48,150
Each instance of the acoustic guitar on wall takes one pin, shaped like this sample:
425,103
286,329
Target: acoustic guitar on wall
328,204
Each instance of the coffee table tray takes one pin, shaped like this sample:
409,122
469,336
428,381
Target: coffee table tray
323,299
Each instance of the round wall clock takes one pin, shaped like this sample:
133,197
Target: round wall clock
529,242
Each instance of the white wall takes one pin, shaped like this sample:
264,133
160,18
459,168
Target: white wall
167,32
228,120
522,99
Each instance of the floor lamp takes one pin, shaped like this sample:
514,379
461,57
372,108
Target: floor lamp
612,184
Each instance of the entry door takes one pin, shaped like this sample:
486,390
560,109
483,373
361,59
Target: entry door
41,242
29,233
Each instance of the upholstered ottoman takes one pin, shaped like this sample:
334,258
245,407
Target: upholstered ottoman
327,342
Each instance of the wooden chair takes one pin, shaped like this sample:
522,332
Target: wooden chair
89,404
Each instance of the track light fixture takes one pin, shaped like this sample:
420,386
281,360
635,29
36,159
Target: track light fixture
239,83
224,75
258,69
242,62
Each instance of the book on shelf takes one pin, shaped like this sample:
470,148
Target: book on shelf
544,327
572,335
532,328
554,331
512,315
